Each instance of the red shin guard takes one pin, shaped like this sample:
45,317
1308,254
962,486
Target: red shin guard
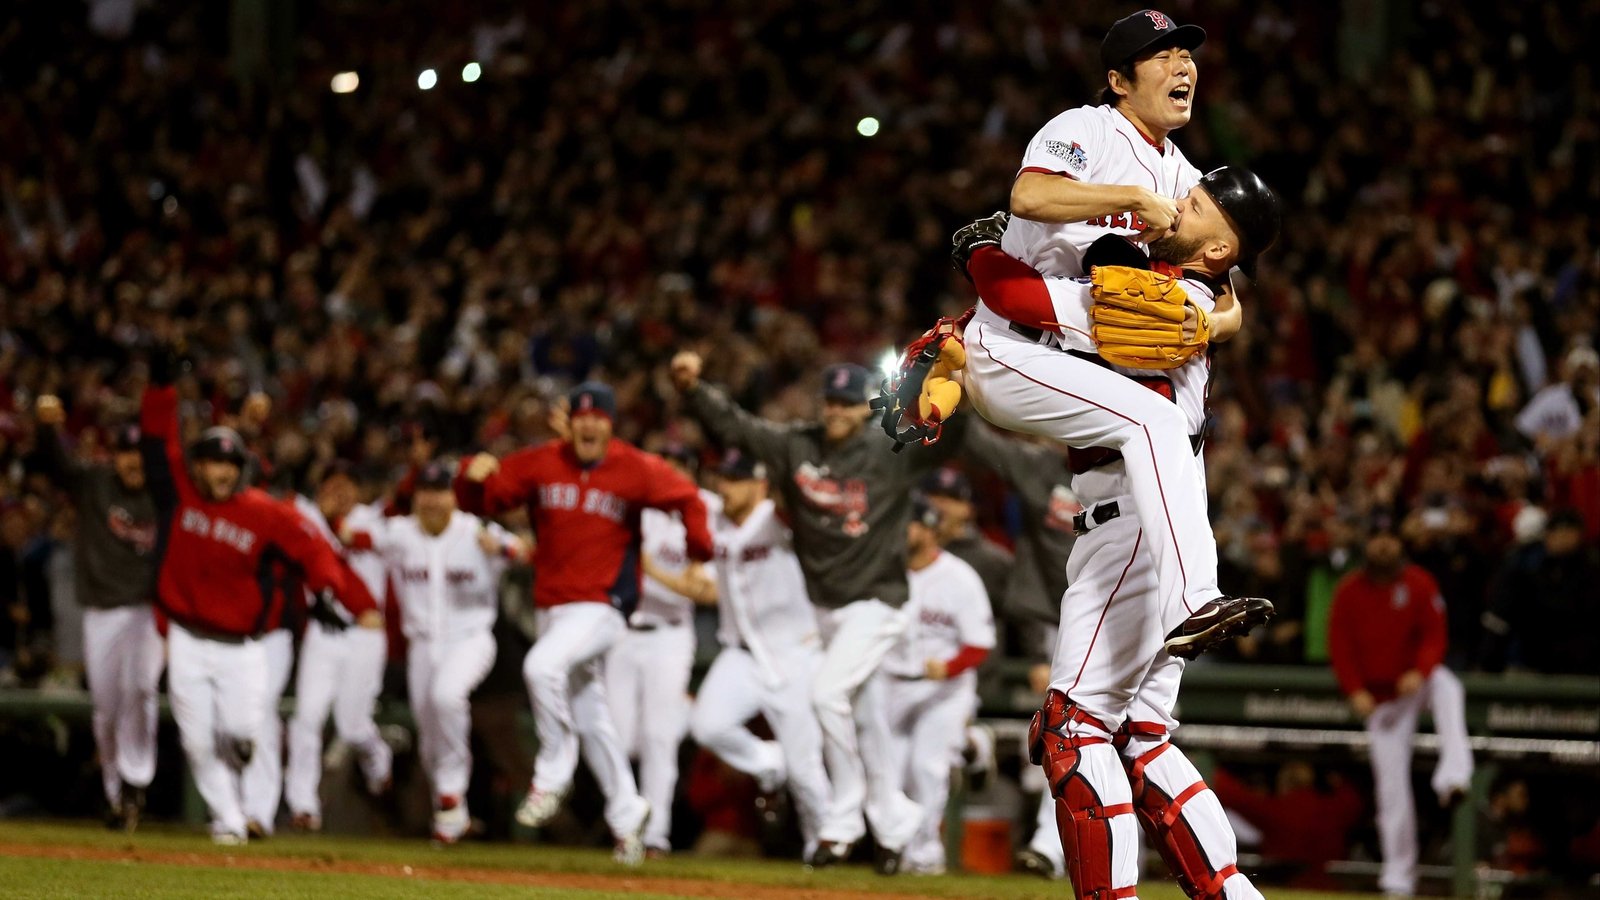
1161,816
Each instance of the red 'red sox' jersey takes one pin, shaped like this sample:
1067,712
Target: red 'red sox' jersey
223,563
587,518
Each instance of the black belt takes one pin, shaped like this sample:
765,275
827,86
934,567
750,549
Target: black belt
1038,334
210,635
652,626
1101,514
1033,334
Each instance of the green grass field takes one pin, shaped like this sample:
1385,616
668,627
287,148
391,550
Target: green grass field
71,859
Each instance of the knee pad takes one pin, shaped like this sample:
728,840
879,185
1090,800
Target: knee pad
1166,790
1094,815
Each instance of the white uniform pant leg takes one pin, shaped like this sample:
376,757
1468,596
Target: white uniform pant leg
322,666
731,695
851,702
625,676
366,655
937,736
625,808
663,722
123,662
1046,840
263,778
570,636
1447,701
1027,387
1110,628
444,672
1390,731
788,710
217,692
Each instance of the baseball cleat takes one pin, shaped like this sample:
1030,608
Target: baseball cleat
539,807
450,822
1031,862
306,823
256,830
1217,621
830,853
888,862
985,232
132,807
229,839
629,849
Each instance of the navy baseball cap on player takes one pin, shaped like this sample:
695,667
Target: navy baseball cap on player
219,444
947,482
923,512
846,383
592,397
680,453
1147,29
125,438
738,465
435,476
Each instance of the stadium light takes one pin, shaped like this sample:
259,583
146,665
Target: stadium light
471,72
427,79
345,83
889,363
867,127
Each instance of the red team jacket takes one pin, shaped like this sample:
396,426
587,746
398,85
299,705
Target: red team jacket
587,519
223,564
1380,629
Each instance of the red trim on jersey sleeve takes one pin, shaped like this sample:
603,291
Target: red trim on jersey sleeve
1012,288
968,657
1043,171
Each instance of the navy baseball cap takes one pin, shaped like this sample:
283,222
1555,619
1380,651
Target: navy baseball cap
220,444
1147,29
125,437
738,465
592,397
923,512
680,453
846,382
435,476
947,482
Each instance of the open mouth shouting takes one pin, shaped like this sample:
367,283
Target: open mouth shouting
1180,96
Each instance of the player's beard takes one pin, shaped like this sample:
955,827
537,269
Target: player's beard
1175,249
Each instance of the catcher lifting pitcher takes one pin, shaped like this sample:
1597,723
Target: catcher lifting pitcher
1095,363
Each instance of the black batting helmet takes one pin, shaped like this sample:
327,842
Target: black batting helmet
221,444
1252,207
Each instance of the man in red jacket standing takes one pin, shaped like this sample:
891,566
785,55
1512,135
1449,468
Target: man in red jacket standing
1387,642
583,495
224,552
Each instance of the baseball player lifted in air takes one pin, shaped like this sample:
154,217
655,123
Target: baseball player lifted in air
771,649
1090,172
116,560
1114,680
445,566
221,547
850,500
933,689
341,668
584,496
647,672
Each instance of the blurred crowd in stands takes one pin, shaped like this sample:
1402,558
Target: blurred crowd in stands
628,178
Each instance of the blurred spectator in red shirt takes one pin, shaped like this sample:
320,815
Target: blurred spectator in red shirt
1299,822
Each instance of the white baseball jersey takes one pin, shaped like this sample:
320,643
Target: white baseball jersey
948,610
369,567
1098,145
447,586
664,539
761,592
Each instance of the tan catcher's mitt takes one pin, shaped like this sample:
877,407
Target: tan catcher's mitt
1138,318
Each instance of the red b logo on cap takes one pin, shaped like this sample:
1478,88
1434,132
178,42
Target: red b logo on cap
1160,21
841,378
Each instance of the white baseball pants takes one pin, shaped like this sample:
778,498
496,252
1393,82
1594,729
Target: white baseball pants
1390,731
262,781
928,727
340,672
1046,840
647,687
734,691
218,692
1037,389
565,676
851,702
441,674
123,661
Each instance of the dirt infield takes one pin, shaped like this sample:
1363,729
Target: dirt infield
683,887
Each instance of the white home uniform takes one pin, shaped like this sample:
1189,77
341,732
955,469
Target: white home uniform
647,672
1027,384
1109,660
340,672
261,782
448,590
770,654
949,610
